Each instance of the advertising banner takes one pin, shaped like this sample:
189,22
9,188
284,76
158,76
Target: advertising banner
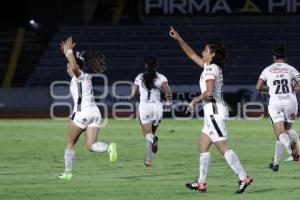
218,7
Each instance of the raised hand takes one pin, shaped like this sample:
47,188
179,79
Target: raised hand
67,44
173,33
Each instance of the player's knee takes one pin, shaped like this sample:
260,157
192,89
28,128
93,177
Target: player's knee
223,151
222,148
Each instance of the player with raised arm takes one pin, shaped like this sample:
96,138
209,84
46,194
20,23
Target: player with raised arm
149,85
86,116
280,80
215,112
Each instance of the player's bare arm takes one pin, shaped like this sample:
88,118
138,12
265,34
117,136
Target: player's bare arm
186,48
166,89
206,95
67,48
297,87
134,90
261,87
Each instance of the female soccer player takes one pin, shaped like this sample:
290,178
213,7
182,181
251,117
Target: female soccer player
215,112
86,116
282,80
148,85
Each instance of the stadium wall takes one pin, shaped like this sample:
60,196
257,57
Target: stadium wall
115,101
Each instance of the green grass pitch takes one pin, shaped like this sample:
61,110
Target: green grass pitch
31,156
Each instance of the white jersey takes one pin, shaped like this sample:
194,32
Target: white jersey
280,79
154,93
216,104
82,92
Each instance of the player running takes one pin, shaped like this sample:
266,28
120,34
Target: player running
212,61
86,116
280,79
148,85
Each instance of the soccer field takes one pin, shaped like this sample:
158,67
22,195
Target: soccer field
31,153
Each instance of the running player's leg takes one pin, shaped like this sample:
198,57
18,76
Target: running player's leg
150,139
204,163
147,111
72,137
157,115
205,142
291,113
155,127
93,145
278,115
91,135
219,138
293,134
204,160
235,164
274,165
277,156
282,136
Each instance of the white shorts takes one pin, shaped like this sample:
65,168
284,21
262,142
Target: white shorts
215,127
84,119
285,113
150,112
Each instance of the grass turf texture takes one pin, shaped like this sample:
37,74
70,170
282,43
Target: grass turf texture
31,153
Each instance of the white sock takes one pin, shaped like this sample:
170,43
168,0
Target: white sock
278,152
149,137
149,151
234,163
285,141
69,157
99,147
293,134
204,162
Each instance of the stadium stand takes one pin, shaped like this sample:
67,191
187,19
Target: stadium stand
249,41
6,43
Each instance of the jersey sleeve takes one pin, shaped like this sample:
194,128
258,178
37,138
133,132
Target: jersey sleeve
210,72
138,80
264,75
296,74
162,79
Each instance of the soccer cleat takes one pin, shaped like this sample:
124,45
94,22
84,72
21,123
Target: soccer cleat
290,158
294,154
201,187
147,163
243,184
65,176
275,168
155,144
112,150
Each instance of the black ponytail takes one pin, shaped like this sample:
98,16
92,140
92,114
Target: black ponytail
91,61
149,76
